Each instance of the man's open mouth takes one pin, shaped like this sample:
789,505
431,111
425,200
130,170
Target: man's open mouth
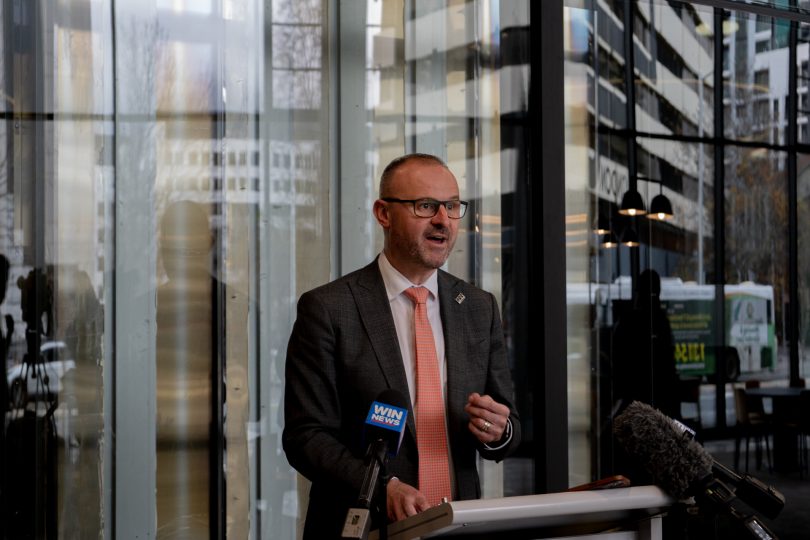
437,238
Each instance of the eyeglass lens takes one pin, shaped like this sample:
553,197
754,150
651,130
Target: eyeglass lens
430,207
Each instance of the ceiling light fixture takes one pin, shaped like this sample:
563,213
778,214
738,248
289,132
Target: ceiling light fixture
660,206
630,237
632,204
609,241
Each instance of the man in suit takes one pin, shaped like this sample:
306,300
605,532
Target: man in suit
361,334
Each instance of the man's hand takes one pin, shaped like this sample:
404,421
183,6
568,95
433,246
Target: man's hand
404,500
487,418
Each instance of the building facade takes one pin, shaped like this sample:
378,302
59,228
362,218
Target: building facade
175,173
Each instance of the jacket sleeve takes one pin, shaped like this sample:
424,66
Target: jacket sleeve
500,387
312,415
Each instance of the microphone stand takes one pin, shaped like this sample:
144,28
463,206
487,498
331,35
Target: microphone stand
720,499
757,495
383,514
358,520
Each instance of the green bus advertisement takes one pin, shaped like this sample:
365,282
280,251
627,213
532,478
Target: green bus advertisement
750,338
750,334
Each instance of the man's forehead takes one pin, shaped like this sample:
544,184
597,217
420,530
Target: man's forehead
424,176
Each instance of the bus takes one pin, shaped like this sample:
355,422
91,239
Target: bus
749,326
750,337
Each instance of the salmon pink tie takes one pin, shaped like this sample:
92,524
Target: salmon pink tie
431,439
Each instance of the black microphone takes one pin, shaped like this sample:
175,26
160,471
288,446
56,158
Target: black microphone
755,493
384,431
666,449
676,462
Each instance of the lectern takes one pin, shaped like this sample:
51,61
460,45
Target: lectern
610,514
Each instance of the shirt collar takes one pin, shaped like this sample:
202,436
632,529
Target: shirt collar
396,283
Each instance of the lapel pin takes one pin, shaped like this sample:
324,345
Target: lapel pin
460,298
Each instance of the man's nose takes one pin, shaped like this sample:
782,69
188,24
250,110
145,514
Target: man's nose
441,215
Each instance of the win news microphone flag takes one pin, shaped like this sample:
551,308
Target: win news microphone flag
384,431
386,420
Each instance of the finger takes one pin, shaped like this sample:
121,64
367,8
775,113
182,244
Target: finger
485,436
405,506
486,414
421,501
487,403
410,509
393,510
498,420
487,432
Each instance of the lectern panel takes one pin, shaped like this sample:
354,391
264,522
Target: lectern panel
534,516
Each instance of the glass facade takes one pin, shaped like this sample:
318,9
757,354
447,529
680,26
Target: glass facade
685,303
175,174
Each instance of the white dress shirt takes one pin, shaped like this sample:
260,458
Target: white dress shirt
402,309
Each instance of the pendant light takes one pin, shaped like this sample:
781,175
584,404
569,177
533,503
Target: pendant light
630,237
609,241
660,208
602,226
632,204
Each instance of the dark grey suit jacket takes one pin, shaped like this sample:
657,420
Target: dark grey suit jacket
343,352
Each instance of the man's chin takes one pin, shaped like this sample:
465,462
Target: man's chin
435,261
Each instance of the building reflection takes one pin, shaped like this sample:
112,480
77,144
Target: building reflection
185,353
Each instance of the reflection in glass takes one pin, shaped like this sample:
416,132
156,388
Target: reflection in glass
643,351
185,351
756,254
673,86
803,184
755,88
54,232
450,79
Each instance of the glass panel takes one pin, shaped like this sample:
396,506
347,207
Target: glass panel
680,250
756,254
433,82
803,85
796,6
756,88
757,296
55,193
581,104
187,336
224,196
235,218
640,310
293,229
803,182
220,210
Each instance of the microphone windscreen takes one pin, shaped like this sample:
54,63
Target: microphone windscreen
387,419
392,397
676,463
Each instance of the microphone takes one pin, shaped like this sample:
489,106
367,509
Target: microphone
667,450
757,494
676,462
386,420
384,431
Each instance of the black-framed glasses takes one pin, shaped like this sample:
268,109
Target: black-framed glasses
427,208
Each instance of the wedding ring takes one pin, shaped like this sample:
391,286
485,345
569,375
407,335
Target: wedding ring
485,429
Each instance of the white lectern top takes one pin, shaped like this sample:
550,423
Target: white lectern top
552,511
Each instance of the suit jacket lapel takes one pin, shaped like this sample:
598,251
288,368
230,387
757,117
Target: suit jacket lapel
375,312
452,312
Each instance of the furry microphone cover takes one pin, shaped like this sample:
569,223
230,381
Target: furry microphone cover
678,464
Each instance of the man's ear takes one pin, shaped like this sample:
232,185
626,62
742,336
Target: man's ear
381,213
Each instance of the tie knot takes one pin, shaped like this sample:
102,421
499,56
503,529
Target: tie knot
418,295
